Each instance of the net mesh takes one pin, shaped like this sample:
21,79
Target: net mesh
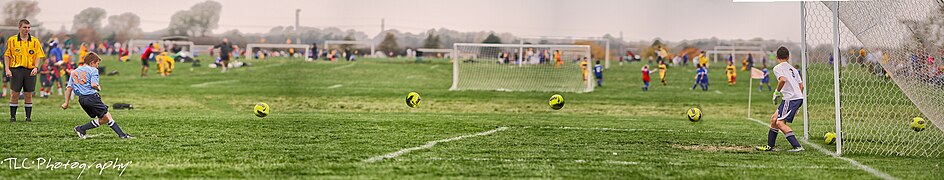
887,75
514,67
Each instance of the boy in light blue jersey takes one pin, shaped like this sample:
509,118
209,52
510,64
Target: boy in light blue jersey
84,83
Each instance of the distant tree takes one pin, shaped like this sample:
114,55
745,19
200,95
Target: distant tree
432,41
14,11
87,24
199,21
123,27
492,39
389,44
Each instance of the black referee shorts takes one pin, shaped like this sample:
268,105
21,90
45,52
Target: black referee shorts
93,105
144,62
21,81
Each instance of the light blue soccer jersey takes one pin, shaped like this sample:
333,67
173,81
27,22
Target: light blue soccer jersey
82,79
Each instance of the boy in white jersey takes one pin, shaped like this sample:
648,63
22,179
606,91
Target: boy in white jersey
790,89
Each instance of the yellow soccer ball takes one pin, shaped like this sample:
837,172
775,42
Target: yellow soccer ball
261,109
694,114
556,102
413,100
830,138
918,124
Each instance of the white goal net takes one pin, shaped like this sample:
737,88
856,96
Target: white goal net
521,67
870,67
255,51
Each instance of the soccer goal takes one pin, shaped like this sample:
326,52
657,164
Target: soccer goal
494,67
277,50
361,47
137,46
869,68
602,49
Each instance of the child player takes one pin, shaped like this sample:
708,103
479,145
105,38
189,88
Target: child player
701,77
583,68
645,77
84,83
598,72
662,68
765,80
731,71
790,87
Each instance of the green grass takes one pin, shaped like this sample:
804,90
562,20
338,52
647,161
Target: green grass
198,124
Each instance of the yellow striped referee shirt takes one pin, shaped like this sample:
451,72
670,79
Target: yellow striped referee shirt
23,53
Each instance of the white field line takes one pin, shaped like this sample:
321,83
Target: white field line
213,83
627,163
433,67
430,145
344,66
335,86
718,92
630,130
871,170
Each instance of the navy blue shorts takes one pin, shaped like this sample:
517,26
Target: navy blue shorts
93,105
788,109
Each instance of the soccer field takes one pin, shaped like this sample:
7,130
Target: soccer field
339,120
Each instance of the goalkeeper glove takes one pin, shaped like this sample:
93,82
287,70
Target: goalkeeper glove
777,94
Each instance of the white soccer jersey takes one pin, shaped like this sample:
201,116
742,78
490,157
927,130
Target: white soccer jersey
791,89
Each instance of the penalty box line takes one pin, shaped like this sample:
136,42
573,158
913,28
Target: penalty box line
864,167
430,144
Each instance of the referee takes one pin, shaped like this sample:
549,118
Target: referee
22,56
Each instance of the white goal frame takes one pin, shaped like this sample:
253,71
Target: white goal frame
251,55
456,60
605,42
373,47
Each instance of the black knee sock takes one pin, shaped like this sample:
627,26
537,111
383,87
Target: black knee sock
90,125
13,110
29,109
114,126
792,139
772,137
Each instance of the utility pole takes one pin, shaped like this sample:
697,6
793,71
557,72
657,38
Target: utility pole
382,25
297,35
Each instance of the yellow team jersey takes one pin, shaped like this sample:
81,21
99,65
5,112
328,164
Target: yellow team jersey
165,63
730,70
23,53
583,66
83,50
662,68
702,60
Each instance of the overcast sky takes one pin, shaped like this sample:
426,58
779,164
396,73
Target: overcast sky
637,19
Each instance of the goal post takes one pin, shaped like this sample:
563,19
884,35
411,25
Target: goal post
870,67
605,43
340,46
252,49
494,67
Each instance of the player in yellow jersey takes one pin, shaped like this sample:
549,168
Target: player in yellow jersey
703,60
662,71
732,73
165,64
583,67
83,50
558,62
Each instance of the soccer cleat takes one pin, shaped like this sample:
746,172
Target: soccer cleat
764,148
798,149
12,119
29,120
127,136
79,132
